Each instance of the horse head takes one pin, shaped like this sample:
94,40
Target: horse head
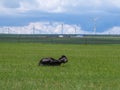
63,59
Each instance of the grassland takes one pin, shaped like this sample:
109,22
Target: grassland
90,67
55,39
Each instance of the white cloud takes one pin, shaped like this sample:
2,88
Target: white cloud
52,28
113,30
43,28
57,6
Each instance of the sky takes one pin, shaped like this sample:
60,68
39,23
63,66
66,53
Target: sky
51,16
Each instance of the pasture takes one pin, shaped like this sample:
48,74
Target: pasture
90,67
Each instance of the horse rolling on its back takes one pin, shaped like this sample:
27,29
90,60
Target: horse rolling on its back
53,62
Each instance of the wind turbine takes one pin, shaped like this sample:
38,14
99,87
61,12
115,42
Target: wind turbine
62,27
95,25
33,29
8,30
61,35
74,28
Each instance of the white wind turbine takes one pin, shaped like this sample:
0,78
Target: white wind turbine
95,25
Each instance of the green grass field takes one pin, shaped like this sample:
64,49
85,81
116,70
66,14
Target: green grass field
90,67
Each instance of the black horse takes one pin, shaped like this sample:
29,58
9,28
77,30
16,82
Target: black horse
53,62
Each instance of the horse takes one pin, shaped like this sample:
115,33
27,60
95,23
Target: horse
49,61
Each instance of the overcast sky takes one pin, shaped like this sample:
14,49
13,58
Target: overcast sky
78,13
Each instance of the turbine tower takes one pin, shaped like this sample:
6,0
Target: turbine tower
62,27
74,28
95,25
33,29
8,30
61,34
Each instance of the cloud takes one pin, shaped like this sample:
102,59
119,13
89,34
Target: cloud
113,30
10,4
52,28
59,6
43,28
